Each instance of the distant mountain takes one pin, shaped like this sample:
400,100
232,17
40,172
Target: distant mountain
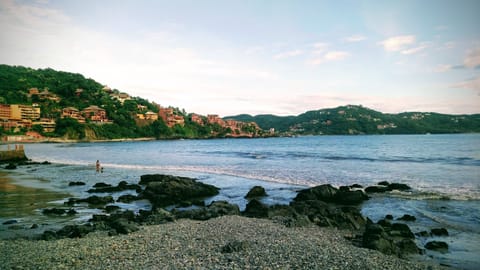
353,119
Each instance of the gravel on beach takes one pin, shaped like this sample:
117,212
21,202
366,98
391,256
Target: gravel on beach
229,242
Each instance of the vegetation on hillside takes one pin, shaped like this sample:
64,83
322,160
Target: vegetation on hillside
353,119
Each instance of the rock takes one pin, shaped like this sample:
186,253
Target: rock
157,216
111,208
376,238
164,190
422,234
350,197
407,246
401,230
34,226
256,209
384,223
437,246
398,186
356,186
439,232
58,211
325,193
122,186
127,198
407,217
11,166
215,209
78,183
383,183
256,192
74,231
376,189
49,235
287,216
389,217
101,185
235,246
92,200
123,226
389,238
10,222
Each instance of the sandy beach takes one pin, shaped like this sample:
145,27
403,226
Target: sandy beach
229,242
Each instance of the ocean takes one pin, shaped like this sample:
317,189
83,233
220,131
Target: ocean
443,170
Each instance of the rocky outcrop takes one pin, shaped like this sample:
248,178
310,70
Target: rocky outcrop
215,209
59,211
329,194
385,186
437,246
256,209
256,192
77,183
122,186
165,190
92,200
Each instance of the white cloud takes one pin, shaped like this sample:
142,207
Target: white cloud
330,56
442,68
472,84
472,60
320,47
288,54
355,38
398,43
414,49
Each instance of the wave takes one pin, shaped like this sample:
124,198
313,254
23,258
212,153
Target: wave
433,195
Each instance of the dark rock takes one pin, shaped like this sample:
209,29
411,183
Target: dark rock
58,211
15,227
287,216
437,246
350,197
123,226
101,185
325,193
215,209
344,188
398,186
157,216
356,186
255,192
127,198
122,186
384,223
92,200
383,183
75,231
389,217
49,235
11,166
376,238
34,226
401,230
439,232
235,246
79,183
164,190
111,208
422,234
256,209
407,217
10,222
46,162
376,189
407,246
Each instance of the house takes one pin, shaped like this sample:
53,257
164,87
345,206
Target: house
197,119
24,112
47,124
215,119
170,118
95,114
47,95
151,116
72,112
33,91
121,97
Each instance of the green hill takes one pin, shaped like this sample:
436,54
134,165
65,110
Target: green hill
352,119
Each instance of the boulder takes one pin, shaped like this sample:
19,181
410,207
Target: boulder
329,194
439,232
437,246
154,217
383,183
123,226
256,209
78,183
376,189
162,190
101,185
111,208
407,217
127,198
92,200
256,192
11,166
287,216
10,222
389,217
58,211
401,230
398,186
215,209
75,231
122,186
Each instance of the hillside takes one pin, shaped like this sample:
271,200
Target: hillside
80,108
353,119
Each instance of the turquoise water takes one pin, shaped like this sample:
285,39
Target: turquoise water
443,170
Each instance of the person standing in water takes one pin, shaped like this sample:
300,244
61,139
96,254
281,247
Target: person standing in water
97,165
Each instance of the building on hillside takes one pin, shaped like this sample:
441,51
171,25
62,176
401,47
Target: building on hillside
107,89
170,119
78,92
215,119
24,112
33,91
151,116
47,124
72,112
141,107
34,135
45,94
5,111
95,114
121,97
197,119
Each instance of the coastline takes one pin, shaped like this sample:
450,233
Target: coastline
228,242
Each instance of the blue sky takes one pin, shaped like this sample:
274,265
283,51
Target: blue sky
256,57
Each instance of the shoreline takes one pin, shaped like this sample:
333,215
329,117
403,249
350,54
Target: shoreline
228,242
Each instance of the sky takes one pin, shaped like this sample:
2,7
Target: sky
259,57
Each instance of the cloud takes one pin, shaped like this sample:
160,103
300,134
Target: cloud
330,56
320,47
288,54
472,60
254,50
471,84
355,38
442,68
398,43
414,50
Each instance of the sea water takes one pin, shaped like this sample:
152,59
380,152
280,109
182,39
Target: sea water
443,170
